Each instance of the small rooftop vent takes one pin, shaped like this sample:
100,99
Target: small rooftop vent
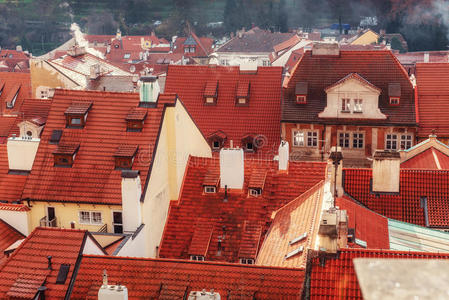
204,295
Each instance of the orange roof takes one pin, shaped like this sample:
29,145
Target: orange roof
14,207
173,279
27,268
234,222
11,185
429,159
433,98
190,83
12,82
93,177
8,235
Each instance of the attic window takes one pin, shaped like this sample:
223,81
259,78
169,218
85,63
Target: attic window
394,93
76,114
248,144
210,182
12,96
242,96
55,136
257,182
301,91
255,192
210,189
247,261
211,92
124,156
135,119
197,257
126,56
65,154
216,140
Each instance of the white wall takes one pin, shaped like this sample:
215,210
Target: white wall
131,206
21,153
17,219
134,247
91,248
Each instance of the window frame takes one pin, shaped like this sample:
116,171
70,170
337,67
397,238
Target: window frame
358,105
247,261
345,137
255,192
117,224
407,140
312,135
345,105
90,214
356,140
391,140
395,101
210,189
294,138
301,99
197,257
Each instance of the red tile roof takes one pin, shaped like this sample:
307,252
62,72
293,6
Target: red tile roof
429,159
189,83
27,267
287,44
14,61
8,235
11,185
173,279
378,67
369,226
33,110
92,178
405,206
11,82
14,207
433,98
337,278
203,49
233,221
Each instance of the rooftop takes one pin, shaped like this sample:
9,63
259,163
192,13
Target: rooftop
239,224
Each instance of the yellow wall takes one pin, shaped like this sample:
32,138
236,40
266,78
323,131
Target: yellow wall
179,138
42,74
68,212
369,37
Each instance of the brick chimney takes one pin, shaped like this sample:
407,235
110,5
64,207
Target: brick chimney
131,206
231,168
386,171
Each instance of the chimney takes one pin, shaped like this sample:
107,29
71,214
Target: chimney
149,89
131,206
113,292
326,49
22,150
231,168
283,156
118,35
333,230
386,171
426,57
94,71
336,157
19,48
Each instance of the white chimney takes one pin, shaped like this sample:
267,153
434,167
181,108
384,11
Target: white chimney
283,156
131,206
22,150
326,49
386,171
113,292
231,168
149,89
426,57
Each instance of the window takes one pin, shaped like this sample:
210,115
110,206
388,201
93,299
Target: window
44,94
126,56
210,189
90,217
249,146
394,100
343,139
117,221
247,261
75,121
391,142
265,63
301,99
197,257
298,138
210,100
216,145
224,62
255,192
406,141
357,140
312,139
29,133
241,100
358,105
345,105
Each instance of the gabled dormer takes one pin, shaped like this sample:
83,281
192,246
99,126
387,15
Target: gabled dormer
301,90
124,156
11,97
257,182
210,182
135,119
394,93
251,142
64,155
242,95
352,97
217,140
32,128
76,114
211,92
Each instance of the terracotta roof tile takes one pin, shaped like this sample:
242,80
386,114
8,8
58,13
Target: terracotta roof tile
12,81
92,177
243,88
378,67
79,107
8,235
429,159
251,237
67,149
356,77
433,98
172,279
27,267
126,150
229,217
14,207
257,179
212,177
337,278
11,185
189,83
211,88
201,237
405,206
137,114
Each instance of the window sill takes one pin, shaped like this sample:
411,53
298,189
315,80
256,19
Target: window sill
345,111
358,112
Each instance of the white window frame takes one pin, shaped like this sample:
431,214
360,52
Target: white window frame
345,137
391,140
210,189
91,219
395,100
127,56
358,105
255,192
312,138
247,261
345,105
405,138
197,257
360,136
301,99
297,143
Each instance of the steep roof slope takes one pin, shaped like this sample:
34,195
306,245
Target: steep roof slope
12,83
93,177
174,279
261,117
378,67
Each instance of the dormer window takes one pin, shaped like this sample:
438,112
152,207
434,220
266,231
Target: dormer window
197,257
358,105
301,91
255,192
242,96
210,189
247,261
210,182
217,140
124,156
76,114
211,92
248,143
135,119
12,96
256,182
65,154
394,93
